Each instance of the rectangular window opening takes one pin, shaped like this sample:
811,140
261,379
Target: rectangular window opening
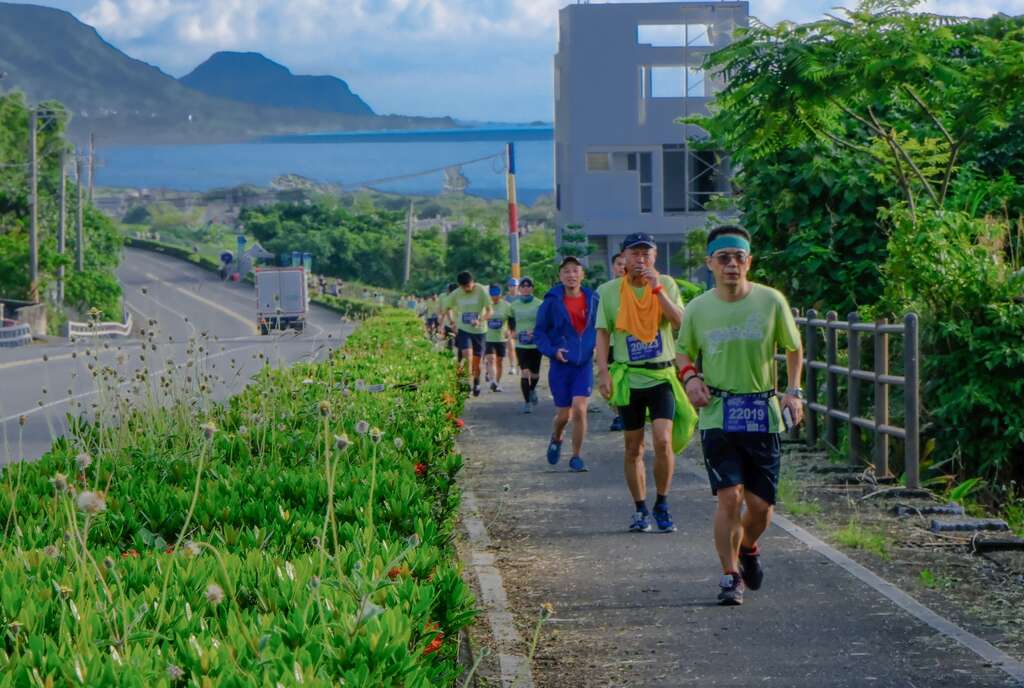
646,190
668,82
598,162
661,35
698,36
695,83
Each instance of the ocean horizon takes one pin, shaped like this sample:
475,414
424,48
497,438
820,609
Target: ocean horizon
410,162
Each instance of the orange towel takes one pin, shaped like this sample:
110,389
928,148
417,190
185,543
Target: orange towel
640,317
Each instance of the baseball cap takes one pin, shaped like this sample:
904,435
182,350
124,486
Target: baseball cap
637,239
512,282
494,290
526,282
569,259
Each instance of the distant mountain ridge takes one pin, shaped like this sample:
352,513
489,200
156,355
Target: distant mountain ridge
253,78
49,54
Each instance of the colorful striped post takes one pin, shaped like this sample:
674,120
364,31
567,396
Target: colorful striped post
513,212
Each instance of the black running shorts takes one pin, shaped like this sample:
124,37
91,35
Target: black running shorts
529,359
750,459
497,348
657,400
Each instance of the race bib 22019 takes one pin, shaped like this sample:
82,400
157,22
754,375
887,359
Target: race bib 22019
643,351
745,414
468,318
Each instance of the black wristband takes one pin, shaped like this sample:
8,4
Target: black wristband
688,379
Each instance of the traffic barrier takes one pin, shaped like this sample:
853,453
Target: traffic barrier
100,329
14,333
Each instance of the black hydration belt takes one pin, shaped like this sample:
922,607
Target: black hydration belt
660,365
715,392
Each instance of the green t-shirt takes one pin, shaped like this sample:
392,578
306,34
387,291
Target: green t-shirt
625,347
497,324
469,306
736,342
526,319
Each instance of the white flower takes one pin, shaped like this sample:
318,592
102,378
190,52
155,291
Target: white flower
83,461
346,392
341,442
174,672
307,381
92,502
360,386
209,429
60,482
362,427
375,435
399,443
243,429
214,594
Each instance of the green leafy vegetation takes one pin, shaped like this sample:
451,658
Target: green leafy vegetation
855,536
94,287
790,498
298,534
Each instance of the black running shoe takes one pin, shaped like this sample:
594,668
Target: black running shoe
750,569
476,390
731,593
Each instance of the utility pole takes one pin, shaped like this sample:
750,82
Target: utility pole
80,235
408,245
92,163
62,224
33,235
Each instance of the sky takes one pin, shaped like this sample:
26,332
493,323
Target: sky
488,60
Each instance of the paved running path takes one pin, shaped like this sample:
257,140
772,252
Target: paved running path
639,609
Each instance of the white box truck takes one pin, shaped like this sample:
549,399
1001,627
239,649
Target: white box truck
281,300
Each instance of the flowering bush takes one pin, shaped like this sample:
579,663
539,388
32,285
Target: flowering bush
298,534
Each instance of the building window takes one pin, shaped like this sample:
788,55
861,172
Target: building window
598,162
673,176
689,178
631,162
558,196
674,35
646,176
675,81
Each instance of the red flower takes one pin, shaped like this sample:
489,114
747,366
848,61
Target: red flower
394,573
434,645
459,422
421,469
130,553
169,550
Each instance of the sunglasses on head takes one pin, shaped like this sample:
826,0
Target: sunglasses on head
726,257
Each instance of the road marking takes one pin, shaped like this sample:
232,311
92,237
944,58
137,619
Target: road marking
515,669
31,361
991,654
202,299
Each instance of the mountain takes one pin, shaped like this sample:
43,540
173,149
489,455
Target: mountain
252,78
49,54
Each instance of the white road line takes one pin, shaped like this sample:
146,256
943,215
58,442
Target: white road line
514,667
990,653
31,361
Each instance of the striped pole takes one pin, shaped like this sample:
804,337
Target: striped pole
513,212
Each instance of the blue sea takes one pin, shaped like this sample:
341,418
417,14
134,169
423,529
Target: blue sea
398,161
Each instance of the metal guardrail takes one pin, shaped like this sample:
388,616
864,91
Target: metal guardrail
854,374
14,333
100,329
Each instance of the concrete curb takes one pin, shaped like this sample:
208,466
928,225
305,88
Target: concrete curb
514,667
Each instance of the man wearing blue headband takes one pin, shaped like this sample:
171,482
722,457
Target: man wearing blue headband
496,339
733,331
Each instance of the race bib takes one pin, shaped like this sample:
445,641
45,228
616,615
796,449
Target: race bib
745,414
525,337
468,318
643,351
495,323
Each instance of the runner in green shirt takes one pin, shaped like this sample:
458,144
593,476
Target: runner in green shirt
636,318
495,346
469,307
733,330
524,319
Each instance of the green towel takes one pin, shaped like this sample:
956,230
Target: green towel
685,419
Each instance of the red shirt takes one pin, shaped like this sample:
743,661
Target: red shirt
577,307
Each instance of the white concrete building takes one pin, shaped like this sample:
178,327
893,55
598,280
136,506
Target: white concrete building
624,73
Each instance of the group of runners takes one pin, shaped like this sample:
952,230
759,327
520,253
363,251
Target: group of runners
657,360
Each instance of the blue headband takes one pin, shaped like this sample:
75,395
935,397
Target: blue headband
728,241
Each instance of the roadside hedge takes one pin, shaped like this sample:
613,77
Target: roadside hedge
298,534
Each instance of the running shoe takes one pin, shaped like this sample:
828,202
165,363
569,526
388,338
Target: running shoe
750,568
664,519
533,397
494,386
554,451
476,390
731,590
640,523
616,425
487,376
527,408
576,465
497,387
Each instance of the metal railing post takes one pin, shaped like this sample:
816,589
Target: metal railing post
911,401
831,384
810,351
853,389
881,344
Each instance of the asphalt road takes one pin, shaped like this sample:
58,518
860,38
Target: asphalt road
41,384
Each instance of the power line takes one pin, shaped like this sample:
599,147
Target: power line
435,170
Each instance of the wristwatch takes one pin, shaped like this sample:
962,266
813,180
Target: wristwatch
795,392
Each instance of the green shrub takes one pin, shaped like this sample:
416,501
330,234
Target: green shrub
288,542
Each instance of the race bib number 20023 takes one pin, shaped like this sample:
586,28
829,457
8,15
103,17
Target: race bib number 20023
643,351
